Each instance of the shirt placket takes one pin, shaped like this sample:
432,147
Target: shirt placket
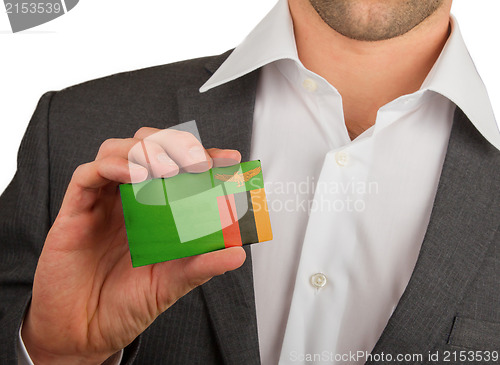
330,239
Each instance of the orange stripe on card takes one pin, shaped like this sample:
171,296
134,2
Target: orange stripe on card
261,215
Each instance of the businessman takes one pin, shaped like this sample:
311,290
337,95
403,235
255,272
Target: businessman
399,256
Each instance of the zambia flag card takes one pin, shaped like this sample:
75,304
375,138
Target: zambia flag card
190,214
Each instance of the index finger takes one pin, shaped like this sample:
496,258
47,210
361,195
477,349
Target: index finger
182,147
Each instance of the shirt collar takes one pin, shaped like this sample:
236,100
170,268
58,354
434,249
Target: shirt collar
453,75
271,40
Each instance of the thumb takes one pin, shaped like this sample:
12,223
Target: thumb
222,158
190,272
203,267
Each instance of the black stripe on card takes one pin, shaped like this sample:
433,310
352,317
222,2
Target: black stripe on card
244,210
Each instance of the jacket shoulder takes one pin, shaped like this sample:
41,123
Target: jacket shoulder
119,104
146,82
79,118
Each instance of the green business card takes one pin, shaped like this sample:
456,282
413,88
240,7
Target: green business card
189,214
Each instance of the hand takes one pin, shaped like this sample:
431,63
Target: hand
88,302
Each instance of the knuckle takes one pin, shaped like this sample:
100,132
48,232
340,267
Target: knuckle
190,137
80,170
186,138
106,146
137,155
142,132
136,145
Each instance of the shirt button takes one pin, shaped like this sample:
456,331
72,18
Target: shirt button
318,280
342,158
310,85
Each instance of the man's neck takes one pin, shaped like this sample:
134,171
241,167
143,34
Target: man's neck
368,75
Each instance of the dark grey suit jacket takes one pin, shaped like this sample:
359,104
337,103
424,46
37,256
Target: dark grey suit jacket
451,303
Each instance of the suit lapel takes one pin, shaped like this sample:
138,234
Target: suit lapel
464,219
224,117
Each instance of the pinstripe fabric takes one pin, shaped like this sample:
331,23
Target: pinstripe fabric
24,223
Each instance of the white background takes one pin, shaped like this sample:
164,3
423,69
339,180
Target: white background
101,37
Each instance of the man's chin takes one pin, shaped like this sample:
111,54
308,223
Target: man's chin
371,21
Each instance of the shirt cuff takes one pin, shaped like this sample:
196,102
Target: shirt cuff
24,358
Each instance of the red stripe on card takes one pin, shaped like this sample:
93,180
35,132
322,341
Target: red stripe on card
229,221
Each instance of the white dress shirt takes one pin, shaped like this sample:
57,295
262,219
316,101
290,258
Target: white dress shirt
348,217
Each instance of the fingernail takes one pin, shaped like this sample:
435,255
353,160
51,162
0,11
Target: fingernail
138,173
198,154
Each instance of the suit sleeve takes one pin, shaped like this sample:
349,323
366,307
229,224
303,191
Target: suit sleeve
24,223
